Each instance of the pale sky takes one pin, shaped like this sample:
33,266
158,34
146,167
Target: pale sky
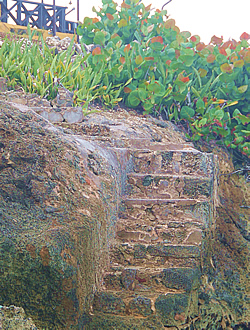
227,18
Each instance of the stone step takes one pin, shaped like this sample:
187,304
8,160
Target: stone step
168,186
147,144
128,304
184,233
190,162
174,307
135,143
173,212
152,281
154,255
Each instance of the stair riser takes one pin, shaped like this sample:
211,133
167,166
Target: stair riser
173,162
160,255
152,281
168,187
160,212
110,304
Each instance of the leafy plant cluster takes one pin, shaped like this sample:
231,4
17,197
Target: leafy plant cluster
37,69
145,61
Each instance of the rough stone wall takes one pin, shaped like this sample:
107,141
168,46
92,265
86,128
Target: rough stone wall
224,300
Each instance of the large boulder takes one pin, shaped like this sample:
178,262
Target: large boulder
53,217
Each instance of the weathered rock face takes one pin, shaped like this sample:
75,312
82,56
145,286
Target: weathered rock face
14,318
225,301
53,219
108,221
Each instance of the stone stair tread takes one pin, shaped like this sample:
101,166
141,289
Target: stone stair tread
160,148
126,294
152,280
160,244
173,232
154,255
167,175
161,200
172,212
141,144
168,186
119,269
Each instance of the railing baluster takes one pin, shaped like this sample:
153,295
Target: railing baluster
44,19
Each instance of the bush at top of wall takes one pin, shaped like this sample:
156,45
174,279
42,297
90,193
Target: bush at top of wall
155,66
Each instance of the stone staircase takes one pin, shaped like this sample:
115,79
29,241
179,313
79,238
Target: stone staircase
164,217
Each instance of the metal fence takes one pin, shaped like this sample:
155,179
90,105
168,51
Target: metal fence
40,17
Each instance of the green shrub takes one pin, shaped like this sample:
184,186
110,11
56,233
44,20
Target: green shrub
38,70
151,64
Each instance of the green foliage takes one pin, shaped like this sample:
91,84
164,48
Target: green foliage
39,71
143,59
147,62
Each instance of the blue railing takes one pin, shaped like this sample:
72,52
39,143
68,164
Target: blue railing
40,17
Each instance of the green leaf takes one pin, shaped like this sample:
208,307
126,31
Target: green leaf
244,119
196,93
187,59
239,139
156,87
247,133
128,82
236,112
242,89
138,59
134,98
202,122
142,94
219,114
187,112
170,53
99,38
226,77
122,23
179,97
200,104
198,76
